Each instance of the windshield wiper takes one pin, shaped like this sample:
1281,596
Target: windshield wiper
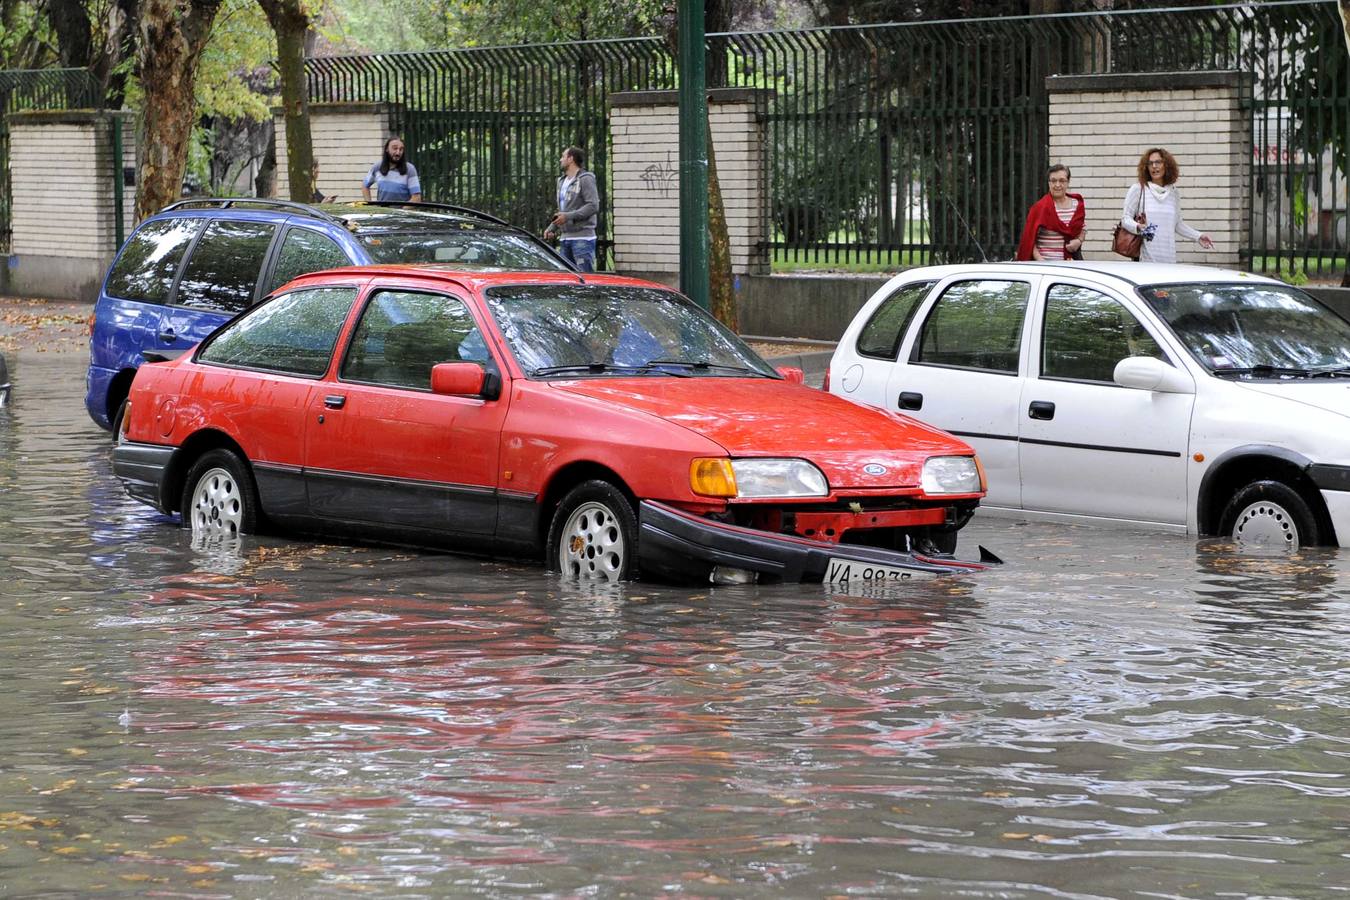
599,368
1265,371
1335,372
705,366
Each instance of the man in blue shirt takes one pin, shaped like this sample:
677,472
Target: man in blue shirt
393,177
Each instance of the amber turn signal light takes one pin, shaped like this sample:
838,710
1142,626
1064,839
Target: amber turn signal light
711,476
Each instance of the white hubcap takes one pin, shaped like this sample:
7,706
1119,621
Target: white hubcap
216,507
591,545
1266,525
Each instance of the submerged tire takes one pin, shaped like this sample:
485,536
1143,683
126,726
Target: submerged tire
1270,514
593,535
220,498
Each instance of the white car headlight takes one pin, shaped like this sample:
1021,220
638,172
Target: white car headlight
778,478
951,475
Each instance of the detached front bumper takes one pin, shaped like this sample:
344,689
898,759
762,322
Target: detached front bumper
676,543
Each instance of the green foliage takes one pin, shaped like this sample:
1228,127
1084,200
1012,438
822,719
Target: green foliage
26,38
241,43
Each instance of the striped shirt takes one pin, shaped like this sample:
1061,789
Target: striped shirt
1050,244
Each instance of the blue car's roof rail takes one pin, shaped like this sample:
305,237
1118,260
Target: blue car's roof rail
463,210
260,202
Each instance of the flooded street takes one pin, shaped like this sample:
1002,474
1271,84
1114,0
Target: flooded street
1112,714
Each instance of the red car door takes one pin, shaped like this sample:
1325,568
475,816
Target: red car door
381,448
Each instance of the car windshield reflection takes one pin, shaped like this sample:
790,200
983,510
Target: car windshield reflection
1254,330
587,330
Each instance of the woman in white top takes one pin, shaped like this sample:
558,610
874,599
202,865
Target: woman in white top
1153,209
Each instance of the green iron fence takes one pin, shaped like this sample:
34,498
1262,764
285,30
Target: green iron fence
890,144
24,89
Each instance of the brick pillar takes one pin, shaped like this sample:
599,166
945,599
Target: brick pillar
63,211
645,169
347,139
1101,124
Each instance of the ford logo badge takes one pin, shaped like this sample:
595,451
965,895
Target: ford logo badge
874,469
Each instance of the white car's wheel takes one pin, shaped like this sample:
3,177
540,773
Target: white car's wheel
1270,515
593,536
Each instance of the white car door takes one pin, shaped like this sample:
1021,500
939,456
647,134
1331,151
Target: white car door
961,366
1088,445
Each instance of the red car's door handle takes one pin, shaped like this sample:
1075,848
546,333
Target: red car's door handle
335,401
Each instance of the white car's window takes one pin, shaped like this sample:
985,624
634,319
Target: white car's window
1087,332
975,325
880,337
402,334
1255,330
292,333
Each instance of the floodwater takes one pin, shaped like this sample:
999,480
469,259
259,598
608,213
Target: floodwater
1112,714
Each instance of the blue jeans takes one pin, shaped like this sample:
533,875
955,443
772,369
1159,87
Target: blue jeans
580,253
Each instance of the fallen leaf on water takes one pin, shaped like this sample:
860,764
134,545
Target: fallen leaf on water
1016,835
199,870
76,751
650,811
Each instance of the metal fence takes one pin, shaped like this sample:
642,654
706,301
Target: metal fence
889,144
24,89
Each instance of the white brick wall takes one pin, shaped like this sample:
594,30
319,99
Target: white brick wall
1101,135
347,141
644,169
61,175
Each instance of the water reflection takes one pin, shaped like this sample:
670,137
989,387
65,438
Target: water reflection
1111,714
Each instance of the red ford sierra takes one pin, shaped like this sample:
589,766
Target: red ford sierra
605,423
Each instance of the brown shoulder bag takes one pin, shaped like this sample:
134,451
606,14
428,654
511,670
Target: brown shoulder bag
1125,243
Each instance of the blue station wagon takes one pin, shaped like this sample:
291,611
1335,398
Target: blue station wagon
195,264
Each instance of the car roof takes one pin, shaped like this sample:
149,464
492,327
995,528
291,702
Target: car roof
1132,273
474,278
356,216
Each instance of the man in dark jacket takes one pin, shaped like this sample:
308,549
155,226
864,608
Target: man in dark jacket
578,205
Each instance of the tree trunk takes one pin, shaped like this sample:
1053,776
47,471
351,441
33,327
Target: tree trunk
721,288
172,35
121,45
74,34
290,24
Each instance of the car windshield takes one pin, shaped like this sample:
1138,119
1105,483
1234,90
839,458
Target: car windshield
471,248
573,330
1258,330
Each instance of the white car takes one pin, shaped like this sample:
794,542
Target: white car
1193,399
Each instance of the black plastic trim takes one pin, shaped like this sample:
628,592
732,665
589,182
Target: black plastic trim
1330,478
141,469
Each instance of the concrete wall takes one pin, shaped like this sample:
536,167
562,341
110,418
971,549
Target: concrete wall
1101,124
347,139
64,224
645,172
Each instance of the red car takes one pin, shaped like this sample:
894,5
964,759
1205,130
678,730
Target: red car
607,422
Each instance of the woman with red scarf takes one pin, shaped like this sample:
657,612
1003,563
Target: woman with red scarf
1054,228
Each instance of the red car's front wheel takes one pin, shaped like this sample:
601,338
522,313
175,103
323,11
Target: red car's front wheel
593,536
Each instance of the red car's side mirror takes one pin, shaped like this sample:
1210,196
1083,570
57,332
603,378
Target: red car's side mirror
459,379
792,374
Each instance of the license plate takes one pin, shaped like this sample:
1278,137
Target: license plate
839,571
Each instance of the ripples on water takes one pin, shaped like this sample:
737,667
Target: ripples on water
1113,714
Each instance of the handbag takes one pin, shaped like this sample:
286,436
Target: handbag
1126,243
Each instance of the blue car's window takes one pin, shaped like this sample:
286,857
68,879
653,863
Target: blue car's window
222,272
302,251
293,333
975,325
146,267
592,329
402,334
466,247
